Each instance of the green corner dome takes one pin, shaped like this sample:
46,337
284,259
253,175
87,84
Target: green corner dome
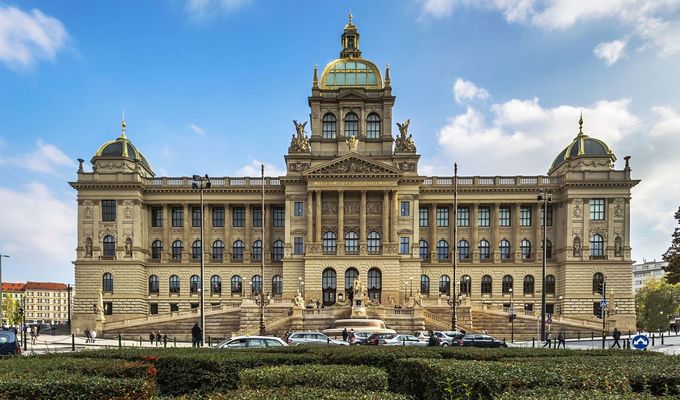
122,147
583,146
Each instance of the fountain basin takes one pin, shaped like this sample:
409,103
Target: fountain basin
358,325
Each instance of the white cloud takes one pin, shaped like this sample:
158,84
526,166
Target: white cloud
667,122
38,231
438,8
465,91
253,169
26,37
610,52
197,129
202,9
46,159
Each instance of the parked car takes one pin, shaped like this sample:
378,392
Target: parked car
477,340
360,338
449,338
298,338
404,340
9,343
380,338
251,342
422,335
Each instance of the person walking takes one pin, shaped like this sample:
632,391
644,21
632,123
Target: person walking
433,341
617,335
33,335
548,340
87,335
159,337
196,335
165,340
344,335
152,336
561,340
93,334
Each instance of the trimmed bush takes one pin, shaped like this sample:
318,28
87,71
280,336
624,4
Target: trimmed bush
341,377
307,393
58,386
561,394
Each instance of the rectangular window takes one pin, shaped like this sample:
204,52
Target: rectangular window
549,308
108,308
299,209
463,216
525,216
484,216
108,210
549,222
597,209
405,209
279,217
177,217
443,216
174,307
257,217
157,217
504,216
196,217
218,217
404,246
298,245
238,217
424,217
153,308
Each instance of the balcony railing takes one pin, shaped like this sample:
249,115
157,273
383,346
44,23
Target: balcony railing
214,182
537,181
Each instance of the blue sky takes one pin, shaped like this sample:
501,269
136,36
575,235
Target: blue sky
495,85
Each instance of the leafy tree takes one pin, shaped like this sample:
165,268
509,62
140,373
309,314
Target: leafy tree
672,255
655,303
10,311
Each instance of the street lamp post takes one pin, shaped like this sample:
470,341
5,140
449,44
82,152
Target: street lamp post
201,183
411,287
512,315
262,325
603,305
1,257
454,315
545,197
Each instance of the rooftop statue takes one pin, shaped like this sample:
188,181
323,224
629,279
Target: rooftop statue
403,142
299,142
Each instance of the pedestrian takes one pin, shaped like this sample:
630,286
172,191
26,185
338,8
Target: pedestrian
548,340
93,333
344,335
617,335
152,336
159,337
433,341
165,340
677,324
561,340
33,335
196,335
351,335
87,335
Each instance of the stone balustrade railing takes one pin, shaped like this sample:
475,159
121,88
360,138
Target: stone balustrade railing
523,181
186,181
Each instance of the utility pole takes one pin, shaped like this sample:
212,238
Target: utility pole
200,183
262,325
545,197
454,317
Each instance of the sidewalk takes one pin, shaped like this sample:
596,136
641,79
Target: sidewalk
63,343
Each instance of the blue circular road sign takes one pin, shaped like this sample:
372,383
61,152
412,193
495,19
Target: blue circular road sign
640,342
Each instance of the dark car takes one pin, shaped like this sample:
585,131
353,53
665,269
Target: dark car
379,338
477,340
9,343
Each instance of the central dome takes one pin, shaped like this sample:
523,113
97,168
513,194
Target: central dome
345,72
583,146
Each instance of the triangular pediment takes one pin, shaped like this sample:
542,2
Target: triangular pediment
351,94
351,165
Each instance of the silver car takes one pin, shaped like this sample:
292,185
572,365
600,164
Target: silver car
298,338
251,342
449,338
404,340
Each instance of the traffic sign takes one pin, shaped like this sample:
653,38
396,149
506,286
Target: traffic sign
604,303
548,319
640,342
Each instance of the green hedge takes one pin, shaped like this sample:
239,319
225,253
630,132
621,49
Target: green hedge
561,394
58,386
341,377
307,393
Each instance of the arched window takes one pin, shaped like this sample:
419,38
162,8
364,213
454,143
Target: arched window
174,284
236,285
525,248
465,285
237,250
373,126
444,284
218,250
373,242
277,285
463,250
506,285
529,284
196,250
486,284
351,125
374,284
550,284
177,248
154,284
329,126
424,250
215,284
504,248
598,283
329,285
484,250
194,284
424,284
107,283
351,274
351,243
277,250
329,243
597,245
257,250
256,284
442,250
109,246
156,249
548,251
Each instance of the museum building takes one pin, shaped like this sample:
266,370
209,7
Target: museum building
352,206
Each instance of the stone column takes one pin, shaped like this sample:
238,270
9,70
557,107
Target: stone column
286,228
268,228
227,234
248,238
167,240
415,246
386,214
362,218
433,232
186,232
474,240
341,220
515,232
395,216
318,215
495,232
309,217
538,229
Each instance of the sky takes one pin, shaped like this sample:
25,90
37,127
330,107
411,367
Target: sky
212,86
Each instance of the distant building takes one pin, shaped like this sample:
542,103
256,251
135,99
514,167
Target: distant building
647,270
47,302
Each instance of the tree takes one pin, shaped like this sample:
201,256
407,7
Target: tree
672,255
655,303
10,310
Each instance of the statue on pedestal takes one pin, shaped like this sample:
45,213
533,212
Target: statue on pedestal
299,301
299,142
403,142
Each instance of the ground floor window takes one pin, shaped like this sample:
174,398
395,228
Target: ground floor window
549,308
153,308
329,286
374,284
108,308
174,307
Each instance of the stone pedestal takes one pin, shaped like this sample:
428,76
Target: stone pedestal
358,309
